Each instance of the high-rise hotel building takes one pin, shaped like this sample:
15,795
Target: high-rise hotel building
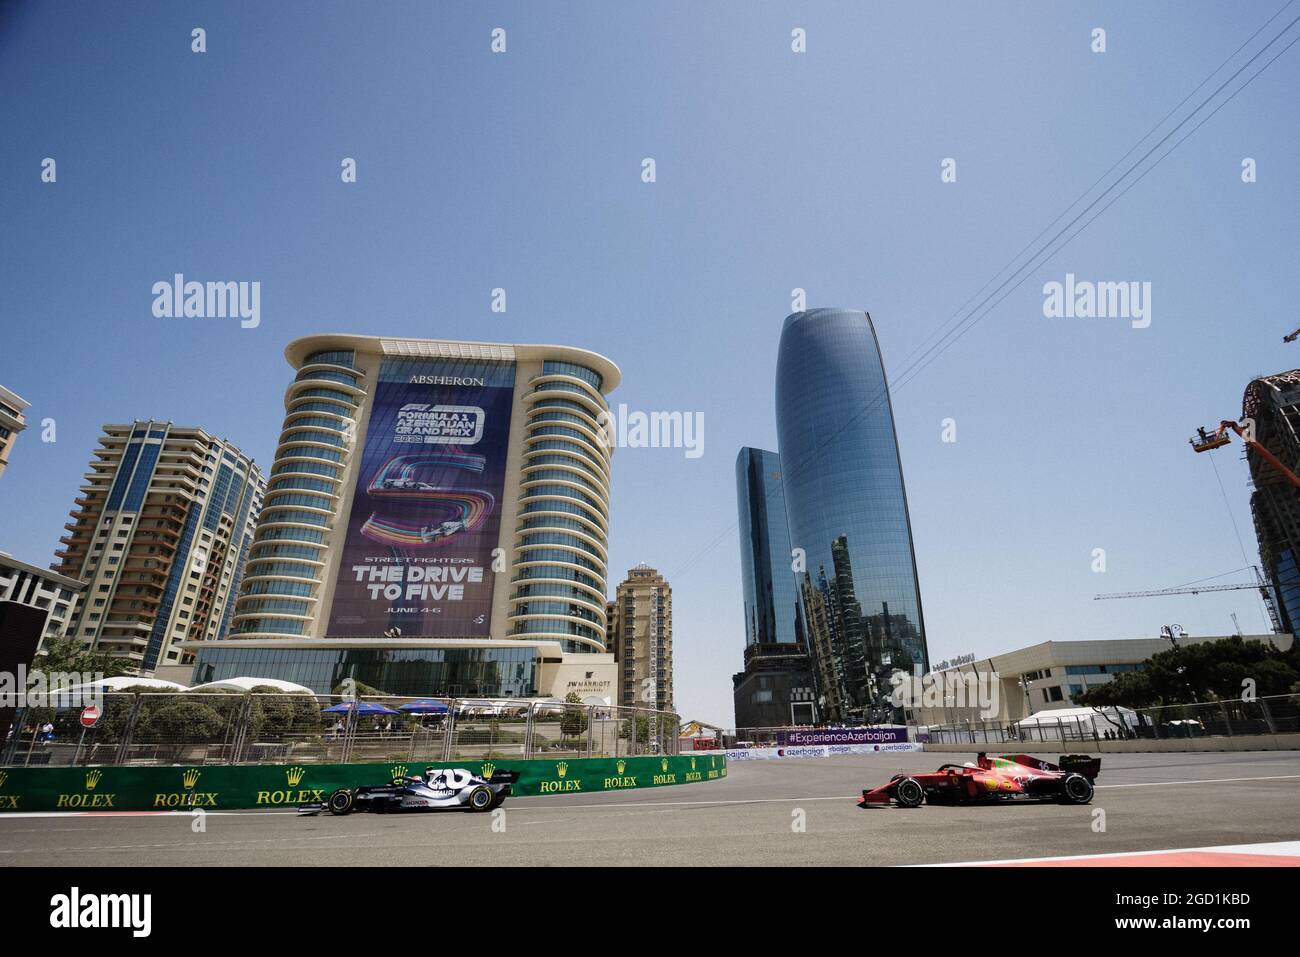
159,535
436,522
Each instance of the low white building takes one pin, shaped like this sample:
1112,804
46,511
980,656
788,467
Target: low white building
1045,677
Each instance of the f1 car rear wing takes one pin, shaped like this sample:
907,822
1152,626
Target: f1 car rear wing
1089,767
502,776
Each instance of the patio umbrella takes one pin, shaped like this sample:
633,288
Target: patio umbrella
424,706
360,707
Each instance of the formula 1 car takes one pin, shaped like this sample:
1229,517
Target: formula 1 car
441,789
1003,778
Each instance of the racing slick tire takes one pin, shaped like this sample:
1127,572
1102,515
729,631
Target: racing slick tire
1076,789
480,799
909,793
341,801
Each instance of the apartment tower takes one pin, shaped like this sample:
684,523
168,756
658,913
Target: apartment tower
159,536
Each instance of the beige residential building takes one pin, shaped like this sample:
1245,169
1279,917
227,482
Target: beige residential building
12,421
642,632
159,537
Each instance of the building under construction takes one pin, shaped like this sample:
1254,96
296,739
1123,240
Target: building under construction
1273,404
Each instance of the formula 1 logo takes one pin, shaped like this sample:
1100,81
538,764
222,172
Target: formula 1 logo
421,423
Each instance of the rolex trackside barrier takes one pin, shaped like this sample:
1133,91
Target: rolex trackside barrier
118,788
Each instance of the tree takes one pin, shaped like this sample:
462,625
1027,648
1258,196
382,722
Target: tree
1211,671
69,654
358,689
647,725
272,713
573,723
180,721
1130,689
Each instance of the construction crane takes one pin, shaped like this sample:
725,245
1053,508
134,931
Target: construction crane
1259,583
1205,441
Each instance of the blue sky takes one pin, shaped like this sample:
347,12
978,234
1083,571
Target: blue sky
775,170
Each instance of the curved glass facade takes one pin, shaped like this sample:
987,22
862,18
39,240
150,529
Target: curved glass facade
285,515
847,510
565,473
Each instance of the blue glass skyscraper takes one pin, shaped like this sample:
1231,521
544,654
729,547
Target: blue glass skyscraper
767,581
847,510
776,687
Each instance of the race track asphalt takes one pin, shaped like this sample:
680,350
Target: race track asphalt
1151,802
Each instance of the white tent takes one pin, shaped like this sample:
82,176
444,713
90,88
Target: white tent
248,684
1087,720
92,691
119,682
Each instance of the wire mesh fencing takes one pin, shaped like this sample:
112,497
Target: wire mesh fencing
1278,714
260,728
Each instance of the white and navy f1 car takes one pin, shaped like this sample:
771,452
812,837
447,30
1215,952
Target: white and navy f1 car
441,789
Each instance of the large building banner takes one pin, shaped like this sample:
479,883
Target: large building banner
427,507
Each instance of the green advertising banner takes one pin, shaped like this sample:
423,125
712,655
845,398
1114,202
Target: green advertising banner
216,786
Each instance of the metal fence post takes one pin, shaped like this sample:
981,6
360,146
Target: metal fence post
124,746
529,724
242,724
1227,721
350,730
591,720
15,734
449,730
1268,715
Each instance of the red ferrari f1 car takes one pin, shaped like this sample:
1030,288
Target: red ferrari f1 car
1003,778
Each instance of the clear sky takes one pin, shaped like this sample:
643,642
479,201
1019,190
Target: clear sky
775,170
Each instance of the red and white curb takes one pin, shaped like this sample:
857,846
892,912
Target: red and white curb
1275,854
